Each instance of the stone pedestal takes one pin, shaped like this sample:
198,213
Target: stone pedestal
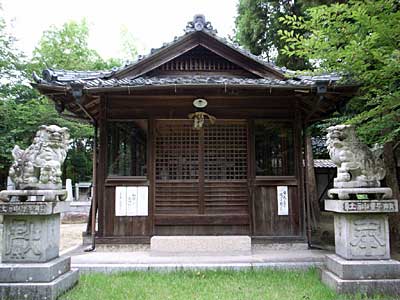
198,245
31,267
30,238
362,262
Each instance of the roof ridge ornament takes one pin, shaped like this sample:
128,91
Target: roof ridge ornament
199,24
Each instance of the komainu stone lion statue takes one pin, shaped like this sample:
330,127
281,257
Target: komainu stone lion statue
357,164
39,166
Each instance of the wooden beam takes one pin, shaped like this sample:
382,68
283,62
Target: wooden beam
234,219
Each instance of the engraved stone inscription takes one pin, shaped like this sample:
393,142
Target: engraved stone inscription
367,238
366,206
23,208
30,238
22,239
53,234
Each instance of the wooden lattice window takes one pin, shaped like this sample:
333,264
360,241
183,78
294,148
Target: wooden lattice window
177,152
127,148
225,152
274,148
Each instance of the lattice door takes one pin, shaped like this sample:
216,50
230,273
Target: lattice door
225,168
201,172
225,151
177,167
177,152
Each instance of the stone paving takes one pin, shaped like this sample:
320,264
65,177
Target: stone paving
145,260
138,257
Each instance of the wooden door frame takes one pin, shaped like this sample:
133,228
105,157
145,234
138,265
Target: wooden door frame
295,180
158,219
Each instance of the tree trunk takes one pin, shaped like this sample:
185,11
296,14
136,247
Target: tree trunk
391,181
312,193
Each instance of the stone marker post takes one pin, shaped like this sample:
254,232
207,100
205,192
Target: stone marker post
31,267
68,187
362,261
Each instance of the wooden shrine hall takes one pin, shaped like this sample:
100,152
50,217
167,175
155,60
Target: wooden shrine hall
199,137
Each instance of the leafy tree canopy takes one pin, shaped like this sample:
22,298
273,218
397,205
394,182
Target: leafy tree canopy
360,39
128,44
12,65
257,26
23,110
67,48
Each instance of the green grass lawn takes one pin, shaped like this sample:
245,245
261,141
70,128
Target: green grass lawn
207,285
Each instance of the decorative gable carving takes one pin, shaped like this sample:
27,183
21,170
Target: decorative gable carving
200,61
200,35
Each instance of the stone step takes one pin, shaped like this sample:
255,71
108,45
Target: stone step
39,290
363,269
369,287
173,267
34,272
201,244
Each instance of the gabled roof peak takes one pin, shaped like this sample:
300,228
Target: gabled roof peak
199,24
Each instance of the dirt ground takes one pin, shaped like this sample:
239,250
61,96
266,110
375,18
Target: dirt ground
71,235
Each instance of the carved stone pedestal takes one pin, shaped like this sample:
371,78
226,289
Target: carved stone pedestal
31,267
362,262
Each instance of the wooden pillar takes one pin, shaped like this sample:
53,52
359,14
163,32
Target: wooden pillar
201,171
298,144
311,182
151,142
102,168
391,181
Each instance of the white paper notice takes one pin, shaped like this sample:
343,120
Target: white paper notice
283,200
120,201
143,201
131,201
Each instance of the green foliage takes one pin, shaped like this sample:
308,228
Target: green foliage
12,66
257,27
19,123
23,110
128,44
359,38
67,48
208,285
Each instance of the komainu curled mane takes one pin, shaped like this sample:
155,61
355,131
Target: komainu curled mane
358,165
39,166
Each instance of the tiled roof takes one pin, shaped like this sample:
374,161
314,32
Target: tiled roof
324,163
96,79
206,28
91,80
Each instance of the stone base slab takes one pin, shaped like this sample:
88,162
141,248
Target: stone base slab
34,272
200,244
39,291
363,286
45,194
363,269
